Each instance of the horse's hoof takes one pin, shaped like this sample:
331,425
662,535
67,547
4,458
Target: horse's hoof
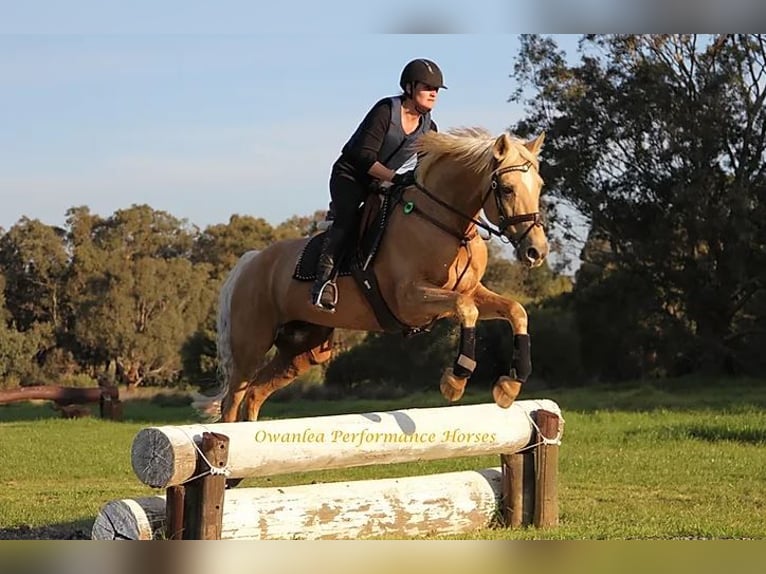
505,391
451,387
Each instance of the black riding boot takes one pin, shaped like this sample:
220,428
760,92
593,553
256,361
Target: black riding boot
324,293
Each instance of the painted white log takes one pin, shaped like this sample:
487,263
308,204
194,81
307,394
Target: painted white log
166,456
446,503
130,519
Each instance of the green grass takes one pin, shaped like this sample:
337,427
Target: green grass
684,460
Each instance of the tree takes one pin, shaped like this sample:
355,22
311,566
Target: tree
34,260
18,350
526,285
391,359
139,296
222,245
299,225
660,141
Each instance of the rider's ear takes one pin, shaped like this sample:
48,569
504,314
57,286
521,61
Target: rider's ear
501,147
535,144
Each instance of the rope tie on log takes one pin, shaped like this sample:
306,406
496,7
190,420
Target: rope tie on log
211,469
542,439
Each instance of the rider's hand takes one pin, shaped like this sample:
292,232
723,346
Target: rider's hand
380,187
404,179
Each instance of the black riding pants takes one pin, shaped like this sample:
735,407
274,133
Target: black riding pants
347,194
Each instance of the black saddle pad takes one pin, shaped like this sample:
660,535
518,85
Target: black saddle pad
307,263
365,250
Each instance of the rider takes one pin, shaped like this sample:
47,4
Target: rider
381,144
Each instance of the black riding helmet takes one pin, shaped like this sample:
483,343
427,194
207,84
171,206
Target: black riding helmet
421,70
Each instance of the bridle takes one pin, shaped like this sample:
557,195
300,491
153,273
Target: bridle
505,220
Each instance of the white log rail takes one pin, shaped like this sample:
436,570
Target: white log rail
165,456
447,503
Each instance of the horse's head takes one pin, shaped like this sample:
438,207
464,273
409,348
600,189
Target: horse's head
513,200
502,174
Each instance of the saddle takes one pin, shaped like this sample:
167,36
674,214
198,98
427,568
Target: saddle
357,257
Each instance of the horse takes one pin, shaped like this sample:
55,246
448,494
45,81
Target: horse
428,266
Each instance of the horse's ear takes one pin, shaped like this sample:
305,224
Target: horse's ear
535,144
501,147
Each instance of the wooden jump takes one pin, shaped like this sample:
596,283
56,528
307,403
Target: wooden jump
521,492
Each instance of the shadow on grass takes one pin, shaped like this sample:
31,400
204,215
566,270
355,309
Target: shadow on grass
714,433
77,530
684,394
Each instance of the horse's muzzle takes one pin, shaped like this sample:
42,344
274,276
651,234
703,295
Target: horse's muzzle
532,255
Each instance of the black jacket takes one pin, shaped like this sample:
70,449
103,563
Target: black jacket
380,137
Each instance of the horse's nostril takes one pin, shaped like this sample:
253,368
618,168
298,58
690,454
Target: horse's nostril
533,254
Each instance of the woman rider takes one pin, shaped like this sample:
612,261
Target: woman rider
381,144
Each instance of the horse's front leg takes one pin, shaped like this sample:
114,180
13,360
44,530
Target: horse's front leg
494,306
441,302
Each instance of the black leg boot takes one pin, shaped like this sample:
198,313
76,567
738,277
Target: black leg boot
324,293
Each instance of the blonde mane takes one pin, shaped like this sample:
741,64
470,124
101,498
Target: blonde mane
470,146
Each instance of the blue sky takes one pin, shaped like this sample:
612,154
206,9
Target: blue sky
207,125
249,17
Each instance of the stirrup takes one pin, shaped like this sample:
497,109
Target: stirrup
324,225
324,299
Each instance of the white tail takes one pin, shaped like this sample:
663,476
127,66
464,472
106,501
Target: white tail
210,407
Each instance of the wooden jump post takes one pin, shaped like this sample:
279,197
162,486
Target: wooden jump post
193,462
108,397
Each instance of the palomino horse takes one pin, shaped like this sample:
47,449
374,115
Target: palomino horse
428,266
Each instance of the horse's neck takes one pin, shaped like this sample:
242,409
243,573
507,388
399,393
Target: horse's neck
460,190
428,246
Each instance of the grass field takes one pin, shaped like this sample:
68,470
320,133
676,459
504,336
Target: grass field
684,460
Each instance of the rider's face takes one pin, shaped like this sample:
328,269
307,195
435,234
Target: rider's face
425,95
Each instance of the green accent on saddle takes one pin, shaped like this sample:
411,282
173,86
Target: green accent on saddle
409,207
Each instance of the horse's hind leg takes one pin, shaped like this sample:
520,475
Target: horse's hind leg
299,347
249,360
230,406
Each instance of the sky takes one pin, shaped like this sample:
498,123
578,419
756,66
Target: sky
206,109
207,125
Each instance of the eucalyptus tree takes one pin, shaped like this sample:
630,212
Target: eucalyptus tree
139,297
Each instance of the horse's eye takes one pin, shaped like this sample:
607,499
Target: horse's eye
504,189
